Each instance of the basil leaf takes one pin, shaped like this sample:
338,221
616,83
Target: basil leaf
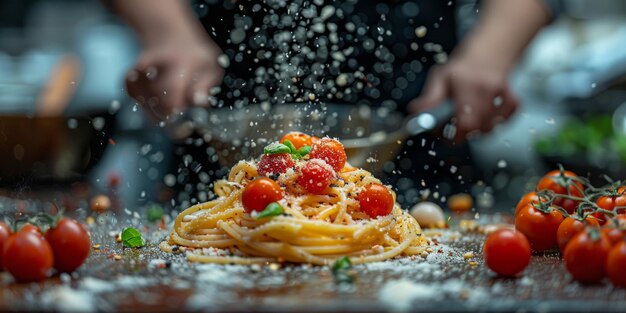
272,209
342,270
292,148
276,148
304,151
132,238
154,213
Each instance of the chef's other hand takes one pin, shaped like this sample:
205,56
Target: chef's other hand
172,74
478,89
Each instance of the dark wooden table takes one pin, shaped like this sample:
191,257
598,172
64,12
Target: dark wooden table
147,279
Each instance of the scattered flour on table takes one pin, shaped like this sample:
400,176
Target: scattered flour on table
66,299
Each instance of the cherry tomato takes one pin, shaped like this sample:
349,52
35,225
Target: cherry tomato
506,252
616,265
5,232
28,227
530,197
571,227
609,203
562,184
298,139
615,235
586,256
375,200
259,193
315,176
540,228
70,244
331,151
274,163
27,256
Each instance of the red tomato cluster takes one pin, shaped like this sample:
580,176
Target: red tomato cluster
316,172
30,255
587,224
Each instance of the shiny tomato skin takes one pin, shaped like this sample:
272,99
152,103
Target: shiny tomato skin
70,245
376,200
259,193
570,227
585,258
28,227
5,233
298,139
616,265
614,235
506,252
331,151
27,256
315,176
562,185
610,203
538,227
275,163
530,197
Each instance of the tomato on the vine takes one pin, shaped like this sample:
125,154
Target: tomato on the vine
586,256
530,197
27,256
331,151
506,252
28,227
571,227
298,139
616,265
315,176
615,201
275,163
5,233
70,244
259,193
565,183
375,200
540,228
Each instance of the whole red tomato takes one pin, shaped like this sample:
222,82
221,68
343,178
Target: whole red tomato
70,244
5,233
506,252
586,255
610,203
530,197
565,183
616,265
571,227
540,228
259,193
27,256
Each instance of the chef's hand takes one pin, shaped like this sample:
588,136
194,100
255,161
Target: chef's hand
476,77
171,74
478,88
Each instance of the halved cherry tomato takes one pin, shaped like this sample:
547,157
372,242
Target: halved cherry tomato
616,265
331,151
375,200
259,193
565,183
610,203
70,244
530,197
27,256
298,139
5,233
586,256
506,252
540,228
274,163
570,227
315,176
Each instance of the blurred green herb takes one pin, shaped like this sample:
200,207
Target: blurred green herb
154,213
342,270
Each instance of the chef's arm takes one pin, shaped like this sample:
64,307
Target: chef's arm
476,76
178,65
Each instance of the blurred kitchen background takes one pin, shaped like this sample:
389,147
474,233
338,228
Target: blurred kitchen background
65,117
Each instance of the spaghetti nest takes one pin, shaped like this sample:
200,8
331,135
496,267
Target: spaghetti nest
314,228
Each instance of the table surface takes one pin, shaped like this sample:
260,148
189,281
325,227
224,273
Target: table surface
443,281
